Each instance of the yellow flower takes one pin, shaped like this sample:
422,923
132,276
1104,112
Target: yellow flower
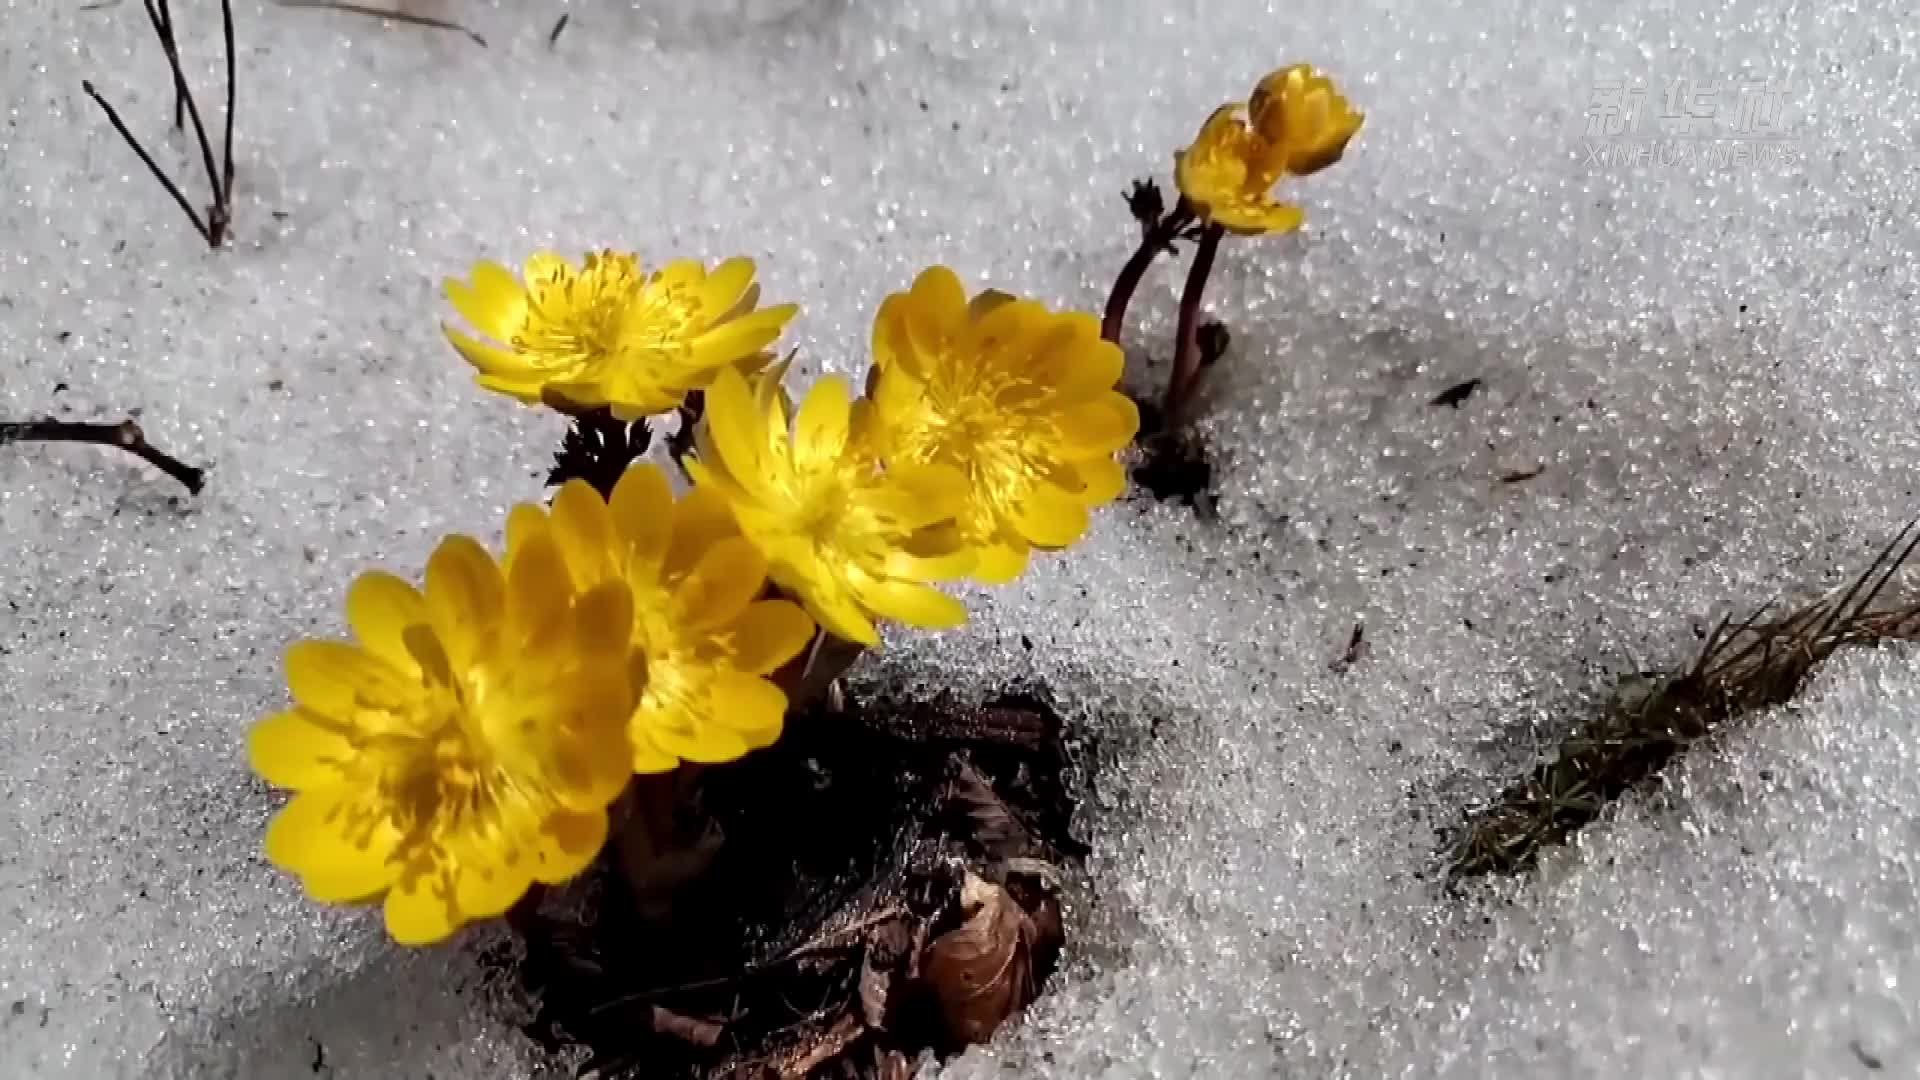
1020,399
465,746
704,641
852,541
605,334
1303,118
1296,123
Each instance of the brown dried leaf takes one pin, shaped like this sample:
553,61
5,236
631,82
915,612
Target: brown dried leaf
995,828
981,971
1047,933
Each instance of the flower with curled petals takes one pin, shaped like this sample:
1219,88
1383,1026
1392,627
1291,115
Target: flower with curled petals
465,745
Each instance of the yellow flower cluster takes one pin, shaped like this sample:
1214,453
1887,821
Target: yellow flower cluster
470,740
1295,123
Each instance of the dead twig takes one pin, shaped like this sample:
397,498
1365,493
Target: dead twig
125,435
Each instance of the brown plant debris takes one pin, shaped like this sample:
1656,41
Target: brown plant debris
1760,663
981,972
884,884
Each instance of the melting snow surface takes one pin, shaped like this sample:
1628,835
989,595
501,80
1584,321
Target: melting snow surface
1704,346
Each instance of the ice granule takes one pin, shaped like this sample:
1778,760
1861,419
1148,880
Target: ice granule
1708,363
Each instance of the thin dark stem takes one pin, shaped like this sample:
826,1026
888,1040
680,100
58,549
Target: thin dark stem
217,226
383,13
152,166
125,435
1186,357
1153,242
681,443
226,147
163,23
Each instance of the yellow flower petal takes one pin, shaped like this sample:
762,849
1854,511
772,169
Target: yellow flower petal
938,311
545,266
650,758
526,388
568,844
999,564
753,708
485,892
1051,518
1248,219
502,365
333,678
583,526
421,910
642,511
380,607
495,304
297,749
1078,363
726,579
950,565
1101,426
928,494
744,337
323,837
1002,326
1103,480
768,635
725,284
465,593
605,623
678,274
536,576
738,433
892,343
915,605
820,431
701,520
840,616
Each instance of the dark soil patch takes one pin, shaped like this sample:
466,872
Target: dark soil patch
835,925
1173,465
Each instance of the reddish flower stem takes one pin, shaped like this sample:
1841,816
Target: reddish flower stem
1186,358
1152,242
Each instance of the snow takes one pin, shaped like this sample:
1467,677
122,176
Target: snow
1708,361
